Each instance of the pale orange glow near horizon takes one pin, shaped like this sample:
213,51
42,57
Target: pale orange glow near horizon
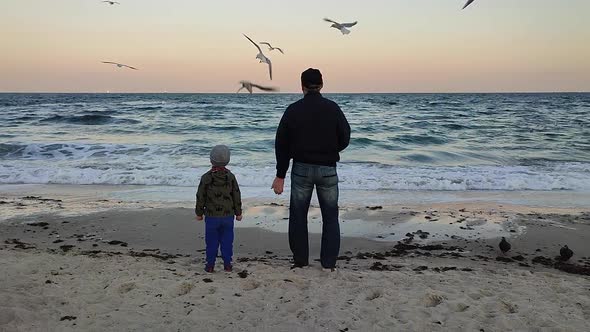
197,46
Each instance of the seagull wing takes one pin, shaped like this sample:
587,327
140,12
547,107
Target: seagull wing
130,67
269,67
265,43
258,47
468,3
329,20
264,88
350,25
280,50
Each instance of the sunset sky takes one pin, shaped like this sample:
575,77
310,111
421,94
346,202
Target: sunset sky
197,46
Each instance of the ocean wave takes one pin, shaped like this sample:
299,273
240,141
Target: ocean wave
573,176
419,139
71,151
88,119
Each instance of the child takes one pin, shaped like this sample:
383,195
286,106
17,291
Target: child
219,199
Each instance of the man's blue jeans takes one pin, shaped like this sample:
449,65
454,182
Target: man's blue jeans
303,179
219,234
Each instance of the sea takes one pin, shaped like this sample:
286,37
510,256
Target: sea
400,142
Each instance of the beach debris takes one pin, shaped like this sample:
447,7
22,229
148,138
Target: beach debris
207,280
504,259
341,26
18,244
421,268
373,208
518,258
38,224
504,246
565,253
563,266
260,56
66,247
271,48
69,318
112,2
117,243
243,274
421,234
378,266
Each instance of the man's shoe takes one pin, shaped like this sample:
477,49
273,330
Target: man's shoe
209,269
329,269
298,266
228,268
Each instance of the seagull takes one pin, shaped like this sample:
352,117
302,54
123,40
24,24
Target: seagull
112,2
120,65
468,3
249,85
505,246
566,253
270,48
341,26
262,57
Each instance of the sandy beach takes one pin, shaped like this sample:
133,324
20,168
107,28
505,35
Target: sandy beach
436,267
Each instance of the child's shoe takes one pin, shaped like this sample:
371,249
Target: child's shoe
228,267
209,269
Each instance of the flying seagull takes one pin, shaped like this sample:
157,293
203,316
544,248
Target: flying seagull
112,2
341,26
566,253
249,85
468,3
262,57
120,65
504,246
270,48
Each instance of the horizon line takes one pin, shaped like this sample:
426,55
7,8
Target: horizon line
299,92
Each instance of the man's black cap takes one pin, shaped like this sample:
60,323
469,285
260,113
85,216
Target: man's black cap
312,78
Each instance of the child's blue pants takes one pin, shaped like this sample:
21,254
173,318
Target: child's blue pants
219,233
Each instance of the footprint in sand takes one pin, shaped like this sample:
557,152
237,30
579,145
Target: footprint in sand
461,307
374,295
250,285
432,300
510,307
184,288
126,287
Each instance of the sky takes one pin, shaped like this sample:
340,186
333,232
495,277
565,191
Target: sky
197,46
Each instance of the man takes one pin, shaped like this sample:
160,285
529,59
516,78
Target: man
312,131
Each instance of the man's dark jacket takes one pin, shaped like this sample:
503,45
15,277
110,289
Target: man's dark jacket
313,130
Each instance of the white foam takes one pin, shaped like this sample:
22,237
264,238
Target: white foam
139,170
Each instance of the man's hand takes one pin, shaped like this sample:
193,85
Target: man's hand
199,218
239,218
278,185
